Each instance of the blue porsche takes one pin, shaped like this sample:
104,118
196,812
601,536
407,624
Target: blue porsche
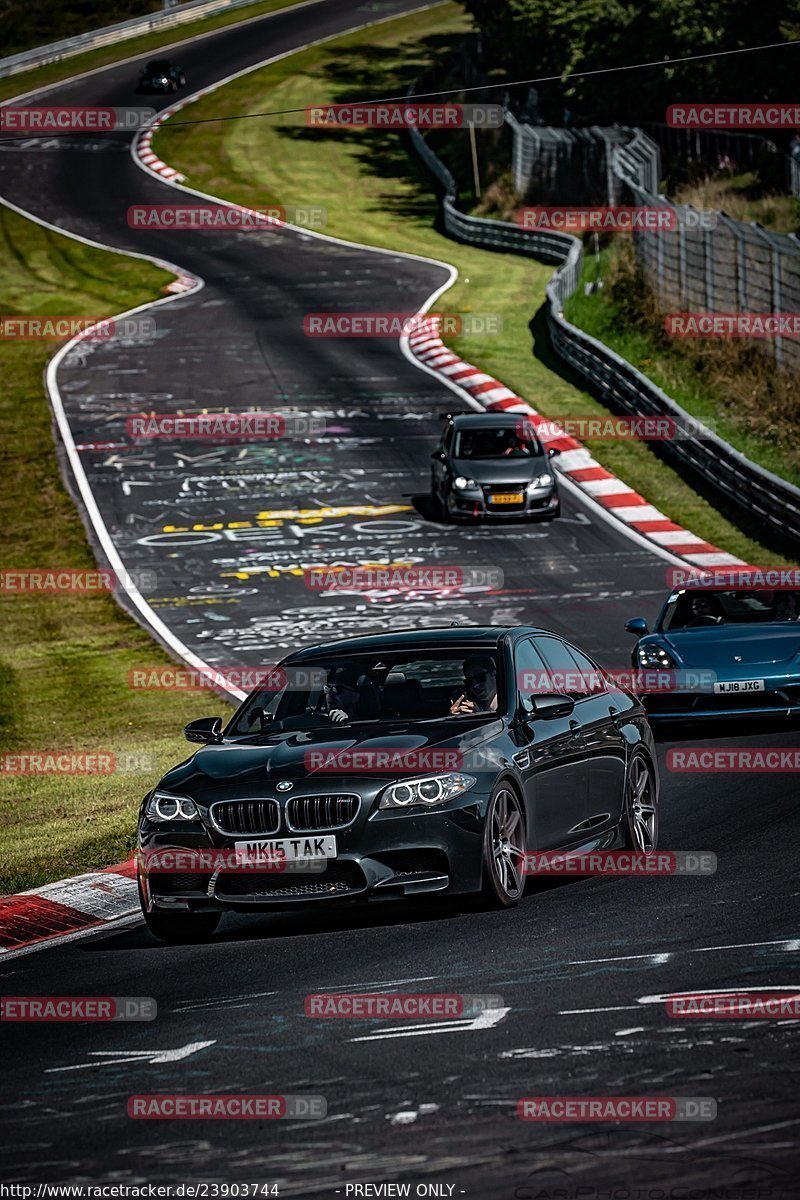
720,653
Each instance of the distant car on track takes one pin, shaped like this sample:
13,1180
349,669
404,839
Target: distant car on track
493,465
404,764
161,75
734,654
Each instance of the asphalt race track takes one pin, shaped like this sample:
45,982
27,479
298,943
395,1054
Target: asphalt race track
579,965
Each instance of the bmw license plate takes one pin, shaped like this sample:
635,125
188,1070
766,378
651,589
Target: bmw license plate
269,851
737,686
506,498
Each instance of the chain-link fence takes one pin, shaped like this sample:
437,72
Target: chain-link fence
732,267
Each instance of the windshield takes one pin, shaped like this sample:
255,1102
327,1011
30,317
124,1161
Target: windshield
337,692
505,441
704,608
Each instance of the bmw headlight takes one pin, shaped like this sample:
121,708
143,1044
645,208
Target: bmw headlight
541,481
652,655
163,806
462,483
434,789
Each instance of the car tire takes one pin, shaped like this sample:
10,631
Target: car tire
640,817
504,829
180,928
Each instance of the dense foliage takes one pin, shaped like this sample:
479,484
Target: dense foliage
28,23
533,38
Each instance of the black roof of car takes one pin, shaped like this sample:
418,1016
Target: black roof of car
159,64
485,420
445,638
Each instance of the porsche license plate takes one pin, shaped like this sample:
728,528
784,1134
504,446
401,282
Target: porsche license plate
737,686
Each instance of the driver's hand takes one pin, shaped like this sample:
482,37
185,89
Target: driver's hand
338,715
461,706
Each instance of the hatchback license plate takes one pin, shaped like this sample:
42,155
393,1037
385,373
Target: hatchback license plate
506,498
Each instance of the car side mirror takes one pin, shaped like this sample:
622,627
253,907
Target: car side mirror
637,625
204,729
439,455
547,707
553,452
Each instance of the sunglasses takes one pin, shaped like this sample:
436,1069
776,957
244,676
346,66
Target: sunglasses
338,687
479,677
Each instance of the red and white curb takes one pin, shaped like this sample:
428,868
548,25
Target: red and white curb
145,150
575,461
83,903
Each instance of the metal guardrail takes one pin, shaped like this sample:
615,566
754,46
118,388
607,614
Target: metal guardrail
732,477
793,176
92,39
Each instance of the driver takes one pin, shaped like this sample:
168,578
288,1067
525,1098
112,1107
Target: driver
705,611
341,694
516,443
480,687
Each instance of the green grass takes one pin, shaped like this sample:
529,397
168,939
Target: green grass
64,659
376,192
39,77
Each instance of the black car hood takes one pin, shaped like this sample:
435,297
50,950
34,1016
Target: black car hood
287,757
502,470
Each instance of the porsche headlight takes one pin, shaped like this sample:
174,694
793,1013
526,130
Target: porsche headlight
653,655
163,806
433,789
462,483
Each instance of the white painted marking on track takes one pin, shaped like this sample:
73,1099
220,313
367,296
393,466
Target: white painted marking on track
485,1020
116,1057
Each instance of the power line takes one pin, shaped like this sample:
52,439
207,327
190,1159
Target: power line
404,98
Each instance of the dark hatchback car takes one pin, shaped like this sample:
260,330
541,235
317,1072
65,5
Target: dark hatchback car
493,465
397,765
161,75
720,654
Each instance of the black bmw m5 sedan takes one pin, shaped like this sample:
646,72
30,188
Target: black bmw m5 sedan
397,765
